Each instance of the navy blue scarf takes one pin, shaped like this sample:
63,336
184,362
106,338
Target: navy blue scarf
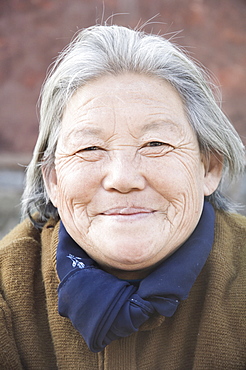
103,308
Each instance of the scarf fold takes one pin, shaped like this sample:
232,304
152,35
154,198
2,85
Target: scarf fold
104,308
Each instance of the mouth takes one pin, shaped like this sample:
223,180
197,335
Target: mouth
129,212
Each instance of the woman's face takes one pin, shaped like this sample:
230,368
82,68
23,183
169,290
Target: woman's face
129,181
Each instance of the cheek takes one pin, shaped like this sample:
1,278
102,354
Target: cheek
76,183
181,184
178,179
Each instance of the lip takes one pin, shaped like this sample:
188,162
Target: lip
128,211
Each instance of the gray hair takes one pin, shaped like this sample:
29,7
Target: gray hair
103,50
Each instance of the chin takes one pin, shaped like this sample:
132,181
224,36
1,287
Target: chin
129,271
132,261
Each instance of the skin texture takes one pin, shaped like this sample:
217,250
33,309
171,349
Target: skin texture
129,180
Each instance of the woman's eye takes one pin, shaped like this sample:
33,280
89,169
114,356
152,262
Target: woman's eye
91,148
155,143
91,153
156,148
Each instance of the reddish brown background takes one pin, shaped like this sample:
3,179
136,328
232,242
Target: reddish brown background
32,32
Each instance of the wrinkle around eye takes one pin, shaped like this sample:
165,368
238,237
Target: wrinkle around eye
91,153
156,149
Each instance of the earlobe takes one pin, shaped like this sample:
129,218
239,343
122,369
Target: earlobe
50,182
213,172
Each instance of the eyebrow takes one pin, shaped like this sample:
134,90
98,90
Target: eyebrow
87,131
147,127
160,124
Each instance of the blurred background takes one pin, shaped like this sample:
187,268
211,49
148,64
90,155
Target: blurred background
32,32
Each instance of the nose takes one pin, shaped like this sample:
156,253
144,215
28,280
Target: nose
123,174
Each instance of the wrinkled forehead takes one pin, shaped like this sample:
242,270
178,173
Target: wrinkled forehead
142,101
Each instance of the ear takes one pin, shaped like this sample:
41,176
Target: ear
213,171
50,182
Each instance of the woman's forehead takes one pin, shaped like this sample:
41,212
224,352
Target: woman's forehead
144,100
128,83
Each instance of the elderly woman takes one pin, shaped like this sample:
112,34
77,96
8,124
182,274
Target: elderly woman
131,257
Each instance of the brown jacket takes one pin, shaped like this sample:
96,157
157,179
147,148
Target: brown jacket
208,330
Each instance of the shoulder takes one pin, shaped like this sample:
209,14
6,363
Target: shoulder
230,235
223,283
19,251
25,230
23,245
231,221
21,254
22,240
227,261
22,293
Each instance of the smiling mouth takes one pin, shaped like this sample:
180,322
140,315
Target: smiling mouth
125,212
